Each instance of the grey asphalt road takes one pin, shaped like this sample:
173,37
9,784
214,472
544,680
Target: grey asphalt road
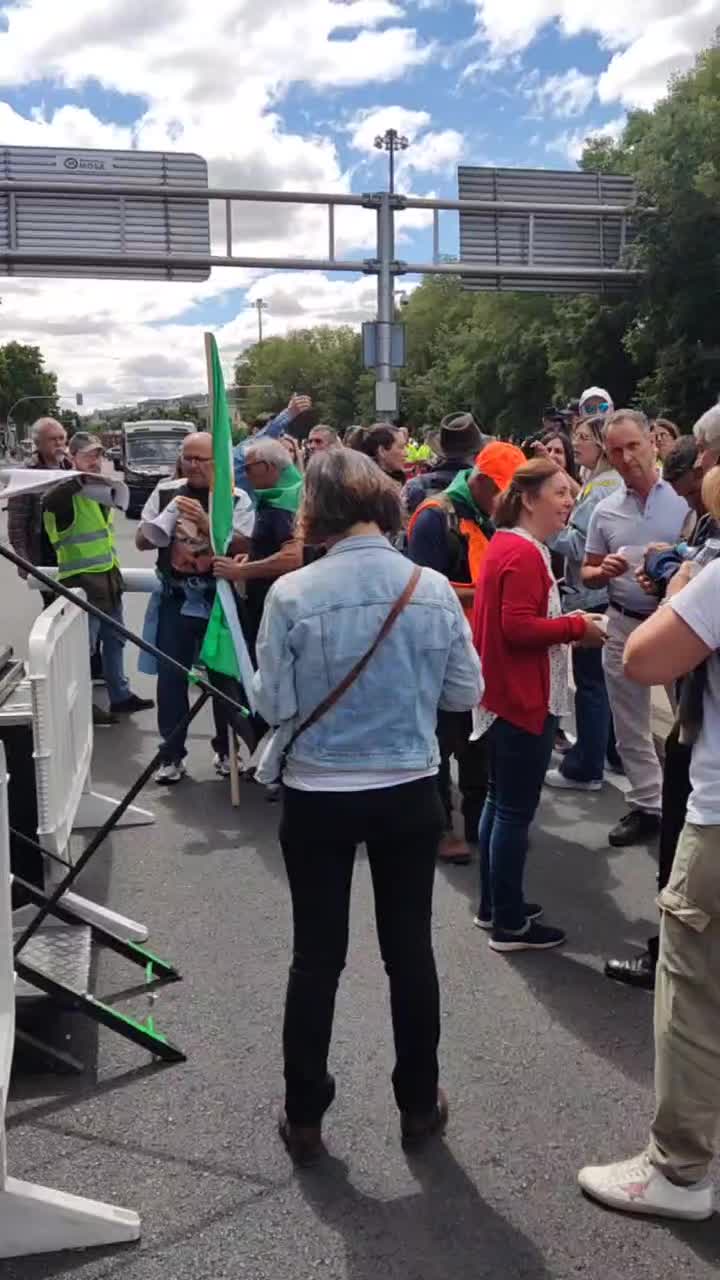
547,1064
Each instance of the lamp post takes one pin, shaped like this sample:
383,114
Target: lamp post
391,141
260,305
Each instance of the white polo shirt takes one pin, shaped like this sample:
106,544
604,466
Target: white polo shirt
624,520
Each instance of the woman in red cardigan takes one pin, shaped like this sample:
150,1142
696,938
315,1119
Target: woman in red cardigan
521,635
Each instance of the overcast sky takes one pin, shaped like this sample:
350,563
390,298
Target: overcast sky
291,94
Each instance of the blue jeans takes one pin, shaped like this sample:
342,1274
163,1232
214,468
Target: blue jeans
585,762
113,666
517,765
181,638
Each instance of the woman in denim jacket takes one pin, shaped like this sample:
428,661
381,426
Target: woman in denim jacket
365,772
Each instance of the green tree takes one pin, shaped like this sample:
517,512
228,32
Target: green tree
673,152
324,363
23,374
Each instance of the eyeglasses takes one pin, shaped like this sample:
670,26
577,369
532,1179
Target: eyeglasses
194,457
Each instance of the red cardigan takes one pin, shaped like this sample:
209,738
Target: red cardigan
513,633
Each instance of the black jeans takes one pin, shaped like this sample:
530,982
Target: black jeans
675,795
319,834
453,733
181,637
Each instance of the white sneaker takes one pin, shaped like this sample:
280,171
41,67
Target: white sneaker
221,765
554,778
168,774
637,1186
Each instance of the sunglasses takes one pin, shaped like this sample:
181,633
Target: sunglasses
603,407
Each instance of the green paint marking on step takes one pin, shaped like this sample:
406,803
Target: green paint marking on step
132,1022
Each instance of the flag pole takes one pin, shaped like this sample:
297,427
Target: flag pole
231,736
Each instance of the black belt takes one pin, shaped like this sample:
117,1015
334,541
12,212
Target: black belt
630,613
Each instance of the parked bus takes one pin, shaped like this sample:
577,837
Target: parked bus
149,454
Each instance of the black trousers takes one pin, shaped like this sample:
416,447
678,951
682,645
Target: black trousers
319,835
675,795
453,733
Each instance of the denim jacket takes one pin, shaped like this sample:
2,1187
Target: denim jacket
320,620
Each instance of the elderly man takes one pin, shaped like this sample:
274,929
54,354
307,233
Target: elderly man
643,510
80,531
450,532
707,434
175,522
321,439
25,513
275,549
270,429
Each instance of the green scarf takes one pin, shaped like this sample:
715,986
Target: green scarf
460,489
286,494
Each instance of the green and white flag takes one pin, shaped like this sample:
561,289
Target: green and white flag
224,650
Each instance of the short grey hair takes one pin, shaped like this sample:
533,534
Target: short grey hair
707,428
39,427
270,451
628,415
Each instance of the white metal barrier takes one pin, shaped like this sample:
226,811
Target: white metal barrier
134,580
59,673
35,1219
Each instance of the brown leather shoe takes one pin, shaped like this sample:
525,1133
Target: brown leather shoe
453,850
303,1142
415,1131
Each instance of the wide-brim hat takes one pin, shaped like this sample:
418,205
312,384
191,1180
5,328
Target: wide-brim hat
459,437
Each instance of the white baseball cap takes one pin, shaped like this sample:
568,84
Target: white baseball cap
596,393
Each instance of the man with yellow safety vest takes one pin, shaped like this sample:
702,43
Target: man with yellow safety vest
81,532
450,532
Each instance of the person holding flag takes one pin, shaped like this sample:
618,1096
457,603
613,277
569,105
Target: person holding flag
275,548
192,618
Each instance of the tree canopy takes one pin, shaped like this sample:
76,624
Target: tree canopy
506,356
23,374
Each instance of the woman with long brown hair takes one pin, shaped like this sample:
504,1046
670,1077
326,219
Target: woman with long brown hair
521,635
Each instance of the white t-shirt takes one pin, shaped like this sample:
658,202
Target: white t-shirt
698,604
243,514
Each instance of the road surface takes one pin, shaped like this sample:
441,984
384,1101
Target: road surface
547,1064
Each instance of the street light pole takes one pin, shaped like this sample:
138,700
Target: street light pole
260,305
391,141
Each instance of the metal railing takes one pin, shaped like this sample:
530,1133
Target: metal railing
384,264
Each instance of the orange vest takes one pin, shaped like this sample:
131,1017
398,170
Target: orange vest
476,541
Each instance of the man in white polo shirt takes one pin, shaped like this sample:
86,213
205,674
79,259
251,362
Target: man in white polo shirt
645,509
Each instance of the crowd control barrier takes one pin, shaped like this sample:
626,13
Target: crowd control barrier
59,674
35,1219
134,580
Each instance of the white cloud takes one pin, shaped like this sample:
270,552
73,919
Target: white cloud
430,151
652,39
372,121
211,82
571,143
639,74
567,94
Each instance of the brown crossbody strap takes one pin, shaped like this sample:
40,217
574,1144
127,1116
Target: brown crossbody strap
335,694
